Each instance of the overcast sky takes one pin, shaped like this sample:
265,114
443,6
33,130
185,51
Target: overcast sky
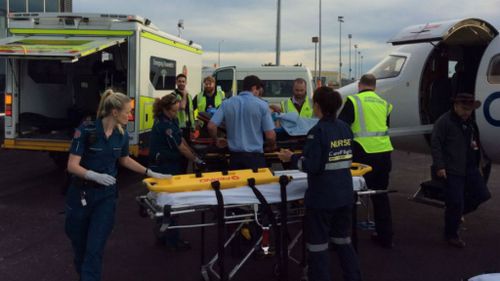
248,28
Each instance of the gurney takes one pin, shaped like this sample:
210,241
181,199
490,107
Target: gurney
270,200
291,135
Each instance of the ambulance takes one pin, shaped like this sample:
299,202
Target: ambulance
58,64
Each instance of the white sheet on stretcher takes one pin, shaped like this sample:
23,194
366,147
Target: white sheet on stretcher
243,195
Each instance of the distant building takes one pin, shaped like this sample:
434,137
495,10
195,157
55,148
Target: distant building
328,78
25,6
331,79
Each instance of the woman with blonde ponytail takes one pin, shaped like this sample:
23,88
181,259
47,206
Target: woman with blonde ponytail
91,198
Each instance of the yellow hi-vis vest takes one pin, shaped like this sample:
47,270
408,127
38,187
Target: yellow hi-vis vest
370,122
306,110
201,100
182,116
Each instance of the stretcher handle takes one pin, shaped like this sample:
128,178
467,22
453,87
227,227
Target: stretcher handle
359,169
152,183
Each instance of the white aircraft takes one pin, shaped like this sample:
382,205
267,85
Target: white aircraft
419,79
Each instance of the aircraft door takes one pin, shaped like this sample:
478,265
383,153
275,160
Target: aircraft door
488,92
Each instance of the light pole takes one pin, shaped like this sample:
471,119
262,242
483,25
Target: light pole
350,69
361,65
359,61
180,25
320,39
278,34
355,61
315,40
219,51
341,20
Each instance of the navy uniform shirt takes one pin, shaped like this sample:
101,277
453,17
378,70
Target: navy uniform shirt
99,154
166,136
326,159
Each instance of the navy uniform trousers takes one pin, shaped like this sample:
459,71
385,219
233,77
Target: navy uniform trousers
88,227
321,227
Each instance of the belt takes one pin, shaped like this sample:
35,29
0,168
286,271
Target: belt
85,184
246,153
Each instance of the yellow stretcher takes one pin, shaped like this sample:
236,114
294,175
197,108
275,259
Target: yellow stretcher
231,179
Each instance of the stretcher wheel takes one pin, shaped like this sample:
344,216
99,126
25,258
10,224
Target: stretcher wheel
159,235
143,212
276,270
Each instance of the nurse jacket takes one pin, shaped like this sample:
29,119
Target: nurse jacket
327,158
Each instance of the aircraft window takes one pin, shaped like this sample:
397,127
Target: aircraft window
494,70
390,67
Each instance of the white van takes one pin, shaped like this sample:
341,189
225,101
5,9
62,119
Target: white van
59,63
277,80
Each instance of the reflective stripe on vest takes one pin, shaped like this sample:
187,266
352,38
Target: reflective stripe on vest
181,114
201,102
338,165
374,135
305,111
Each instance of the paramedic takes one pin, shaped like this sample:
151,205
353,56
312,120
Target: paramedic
92,195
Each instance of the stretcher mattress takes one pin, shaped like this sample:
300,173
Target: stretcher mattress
486,277
243,195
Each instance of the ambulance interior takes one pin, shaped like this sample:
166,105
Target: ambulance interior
452,68
56,96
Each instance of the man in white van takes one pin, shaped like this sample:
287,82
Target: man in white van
298,102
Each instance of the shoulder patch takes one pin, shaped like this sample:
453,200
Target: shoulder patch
77,134
88,123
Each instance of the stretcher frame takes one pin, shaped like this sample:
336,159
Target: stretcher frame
288,213
163,215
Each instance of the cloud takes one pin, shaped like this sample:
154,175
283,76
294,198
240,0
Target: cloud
248,28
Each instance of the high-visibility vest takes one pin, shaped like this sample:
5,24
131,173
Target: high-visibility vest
370,122
182,116
201,100
306,110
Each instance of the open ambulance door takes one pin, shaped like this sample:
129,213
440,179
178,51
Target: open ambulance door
68,49
50,119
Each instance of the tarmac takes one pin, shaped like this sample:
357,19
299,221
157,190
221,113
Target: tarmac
33,245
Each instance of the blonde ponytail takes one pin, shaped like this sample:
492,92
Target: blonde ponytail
112,100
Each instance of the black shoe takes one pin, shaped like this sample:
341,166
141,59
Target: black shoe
384,243
179,246
456,242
